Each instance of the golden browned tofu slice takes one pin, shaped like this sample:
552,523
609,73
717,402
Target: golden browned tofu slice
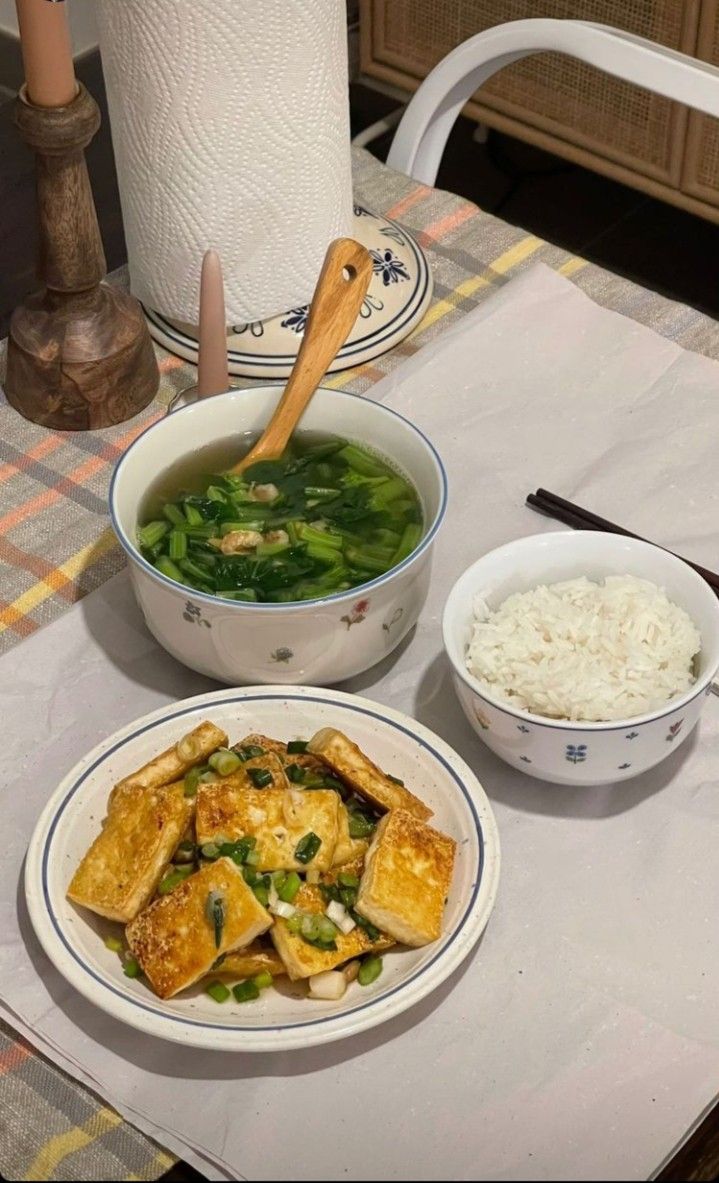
350,762
121,870
255,740
175,939
408,871
193,748
347,849
257,958
277,818
302,960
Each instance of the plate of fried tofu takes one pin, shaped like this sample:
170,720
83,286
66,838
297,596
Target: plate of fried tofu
263,869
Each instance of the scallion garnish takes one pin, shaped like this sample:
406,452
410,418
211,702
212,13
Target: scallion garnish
296,747
246,991
215,913
307,848
260,777
369,970
217,991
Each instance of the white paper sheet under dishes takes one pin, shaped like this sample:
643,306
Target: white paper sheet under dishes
230,124
581,1040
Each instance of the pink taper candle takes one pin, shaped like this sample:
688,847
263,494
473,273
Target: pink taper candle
46,52
212,375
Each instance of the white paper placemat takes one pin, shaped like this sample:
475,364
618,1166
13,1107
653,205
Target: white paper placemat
582,1038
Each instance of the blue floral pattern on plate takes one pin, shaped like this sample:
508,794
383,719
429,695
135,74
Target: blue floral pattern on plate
282,655
576,753
389,266
296,319
193,615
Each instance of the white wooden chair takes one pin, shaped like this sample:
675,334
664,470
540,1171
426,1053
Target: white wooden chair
422,134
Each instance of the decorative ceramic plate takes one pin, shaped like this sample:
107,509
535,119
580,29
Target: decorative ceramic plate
280,1019
398,297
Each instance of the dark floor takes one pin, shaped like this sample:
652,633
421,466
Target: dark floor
589,215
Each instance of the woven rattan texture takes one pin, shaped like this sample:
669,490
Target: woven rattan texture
701,175
554,92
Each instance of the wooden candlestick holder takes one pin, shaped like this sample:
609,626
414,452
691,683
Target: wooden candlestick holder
79,352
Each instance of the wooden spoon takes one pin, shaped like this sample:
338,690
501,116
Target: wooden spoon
337,299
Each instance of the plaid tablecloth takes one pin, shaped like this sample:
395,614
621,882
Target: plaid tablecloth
56,546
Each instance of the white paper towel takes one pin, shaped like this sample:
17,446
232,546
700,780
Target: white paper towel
230,123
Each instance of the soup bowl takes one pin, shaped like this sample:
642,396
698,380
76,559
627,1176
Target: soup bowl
319,641
579,753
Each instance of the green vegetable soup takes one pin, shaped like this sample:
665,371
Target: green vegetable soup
325,517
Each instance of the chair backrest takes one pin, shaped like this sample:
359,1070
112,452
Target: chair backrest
421,137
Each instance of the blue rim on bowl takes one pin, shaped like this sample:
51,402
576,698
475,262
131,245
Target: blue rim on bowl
351,594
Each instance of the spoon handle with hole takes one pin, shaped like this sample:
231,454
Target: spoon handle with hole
337,299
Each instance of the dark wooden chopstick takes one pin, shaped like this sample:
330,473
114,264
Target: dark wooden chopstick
582,519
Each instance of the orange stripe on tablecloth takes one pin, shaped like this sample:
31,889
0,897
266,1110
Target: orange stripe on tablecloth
37,566
171,363
400,207
50,444
439,229
78,476
13,1057
16,620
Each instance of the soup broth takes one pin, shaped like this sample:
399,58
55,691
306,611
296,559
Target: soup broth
325,517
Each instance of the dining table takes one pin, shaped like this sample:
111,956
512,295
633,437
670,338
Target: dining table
57,546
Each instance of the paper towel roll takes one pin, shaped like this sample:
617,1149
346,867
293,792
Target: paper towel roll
230,124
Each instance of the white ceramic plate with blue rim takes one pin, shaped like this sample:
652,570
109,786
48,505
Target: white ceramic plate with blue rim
280,1019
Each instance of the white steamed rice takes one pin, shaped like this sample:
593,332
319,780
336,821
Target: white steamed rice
584,650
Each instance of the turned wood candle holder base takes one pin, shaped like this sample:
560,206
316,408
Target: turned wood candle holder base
79,353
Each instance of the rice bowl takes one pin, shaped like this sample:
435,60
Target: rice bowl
579,752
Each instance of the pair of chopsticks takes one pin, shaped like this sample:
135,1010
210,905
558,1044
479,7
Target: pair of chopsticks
581,519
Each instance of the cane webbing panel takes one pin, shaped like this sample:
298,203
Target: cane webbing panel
701,172
557,94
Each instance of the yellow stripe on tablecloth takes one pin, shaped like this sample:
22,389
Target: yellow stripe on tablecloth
572,266
161,1162
505,262
58,1148
70,569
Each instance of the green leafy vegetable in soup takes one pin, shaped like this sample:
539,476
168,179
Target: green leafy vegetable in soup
325,517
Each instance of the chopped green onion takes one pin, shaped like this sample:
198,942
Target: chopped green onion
193,778
151,534
360,825
193,515
373,933
210,851
174,878
347,880
208,777
263,980
250,751
369,970
307,847
246,991
174,515
410,539
217,991
262,892
215,912
319,931
260,777
166,567
290,887
295,773
224,762
131,968
114,944
361,462
253,858
177,545
296,747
